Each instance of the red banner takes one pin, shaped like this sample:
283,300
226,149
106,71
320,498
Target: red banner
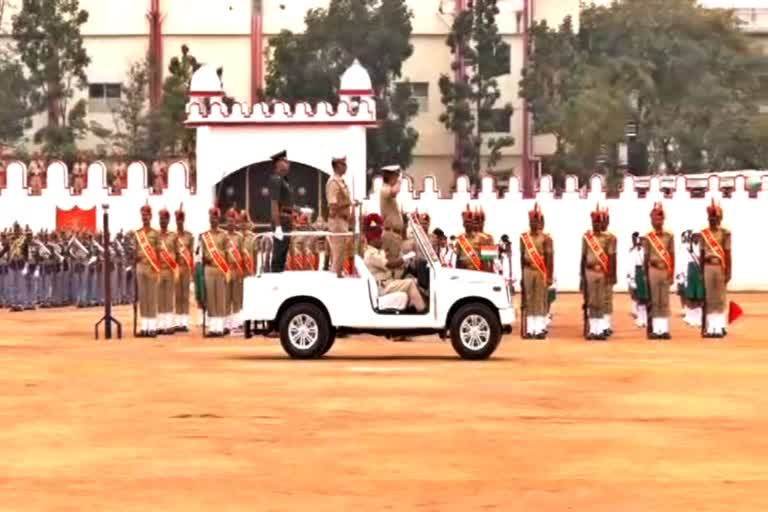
76,219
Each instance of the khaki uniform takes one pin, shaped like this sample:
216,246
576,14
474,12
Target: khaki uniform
166,286
610,250
249,253
659,275
714,272
462,259
215,280
535,283
234,301
595,276
147,277
184,240
337,193
376,261
392,238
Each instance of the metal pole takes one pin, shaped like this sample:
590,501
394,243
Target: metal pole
107,318
527,171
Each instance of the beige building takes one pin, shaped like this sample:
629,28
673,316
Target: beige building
219,32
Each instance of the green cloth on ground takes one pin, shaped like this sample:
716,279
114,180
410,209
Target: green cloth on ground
200,284
694,288
641,283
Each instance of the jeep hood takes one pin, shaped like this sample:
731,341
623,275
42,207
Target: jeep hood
463,276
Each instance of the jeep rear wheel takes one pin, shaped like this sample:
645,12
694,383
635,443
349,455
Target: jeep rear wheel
305,331
475,332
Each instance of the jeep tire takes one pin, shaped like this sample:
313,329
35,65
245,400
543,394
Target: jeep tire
475,331
305,331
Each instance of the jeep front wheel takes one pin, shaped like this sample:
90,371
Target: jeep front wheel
475,332
304,331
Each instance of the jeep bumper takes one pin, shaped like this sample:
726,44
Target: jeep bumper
507,317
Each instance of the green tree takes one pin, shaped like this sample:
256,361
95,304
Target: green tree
49,44
470,98
686,76
307,67
14,110
176,138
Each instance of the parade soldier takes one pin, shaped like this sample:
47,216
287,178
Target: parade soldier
213,245
716,259
340,215
659,252
185,243
79,258
392,237
169,271
636,281
49,272
281,203
483,242
537,262
612,278
16,268
147,273
32,272
596,272
249,243
381,265
467,257
234,302
118,292
129,243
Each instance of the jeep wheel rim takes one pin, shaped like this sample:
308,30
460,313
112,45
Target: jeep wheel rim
302,332
475,333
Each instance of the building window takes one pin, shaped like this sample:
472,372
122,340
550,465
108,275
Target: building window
497,122
103,97
419,93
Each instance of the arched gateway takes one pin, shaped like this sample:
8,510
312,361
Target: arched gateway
233,147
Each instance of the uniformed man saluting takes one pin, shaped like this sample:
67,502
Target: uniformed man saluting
659,252
339,214
394,225
147,272
716,259
281,197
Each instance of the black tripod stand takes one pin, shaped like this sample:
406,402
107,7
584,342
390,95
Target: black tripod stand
107,319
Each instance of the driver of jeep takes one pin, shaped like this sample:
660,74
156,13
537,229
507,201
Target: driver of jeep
381,266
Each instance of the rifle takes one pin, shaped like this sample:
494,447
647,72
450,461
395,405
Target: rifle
523,296
704,288
584,301
135,299
649,303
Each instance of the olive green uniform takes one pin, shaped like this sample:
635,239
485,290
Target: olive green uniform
215,280
659,280
146,281
166,285
715,285
185,240
535,283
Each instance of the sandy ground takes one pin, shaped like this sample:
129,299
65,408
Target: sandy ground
182,424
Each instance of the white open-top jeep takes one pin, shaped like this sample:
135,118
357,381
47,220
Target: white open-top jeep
308,309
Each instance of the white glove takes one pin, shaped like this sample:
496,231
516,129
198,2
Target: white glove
37,273
408,257
279,233
92,260
24,270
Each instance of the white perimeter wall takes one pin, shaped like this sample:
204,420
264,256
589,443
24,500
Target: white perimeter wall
566,218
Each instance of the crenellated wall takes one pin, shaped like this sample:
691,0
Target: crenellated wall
567,216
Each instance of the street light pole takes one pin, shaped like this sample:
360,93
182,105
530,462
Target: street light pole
526,164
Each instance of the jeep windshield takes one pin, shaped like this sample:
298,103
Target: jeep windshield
422,239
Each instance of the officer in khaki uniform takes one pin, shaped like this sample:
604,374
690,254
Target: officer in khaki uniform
595,274
716,259
537,261
147,273
382,266
169,269
464,258
482,239
612,279
250,243
185,242
659,249
213,244
234,302
339,215
392,237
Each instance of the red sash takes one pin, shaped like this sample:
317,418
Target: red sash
235,252
168,257
186,255
714,245
597,249
217,257
147,249
249,264
469,252
533,254
661,251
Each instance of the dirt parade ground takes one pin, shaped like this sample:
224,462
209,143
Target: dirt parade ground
183,423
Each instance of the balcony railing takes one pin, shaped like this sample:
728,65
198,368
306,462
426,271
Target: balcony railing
755,19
